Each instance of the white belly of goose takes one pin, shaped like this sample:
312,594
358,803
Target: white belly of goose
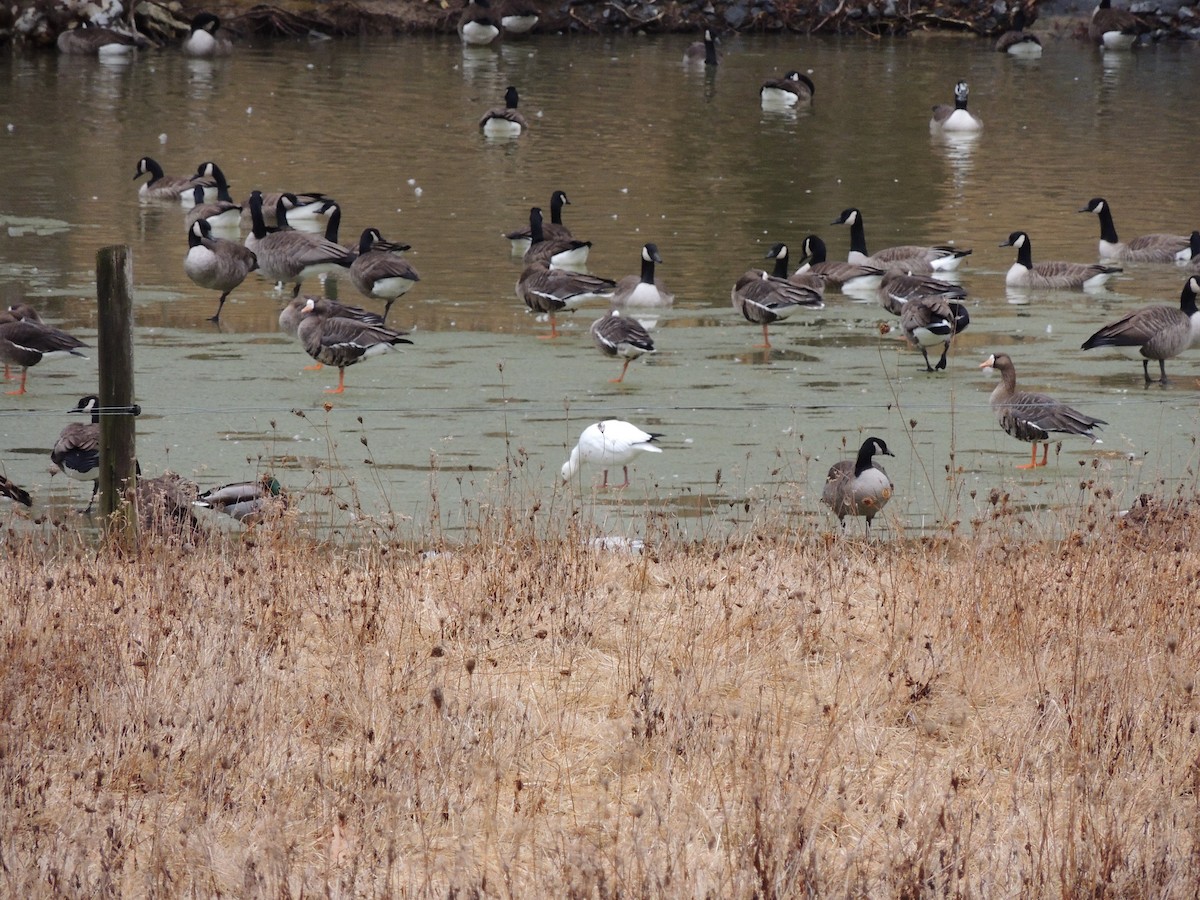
961,120
644,295
478,33
501,127
775,97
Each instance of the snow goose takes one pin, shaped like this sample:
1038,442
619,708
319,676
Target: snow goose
610,443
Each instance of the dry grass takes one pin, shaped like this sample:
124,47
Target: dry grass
528,717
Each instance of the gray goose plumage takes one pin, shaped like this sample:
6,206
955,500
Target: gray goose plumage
703,53
77,450
89,40
897,288
506,120
928,310
549,291
942,257
215,263
25,340
206,39
859,486
562,253
379,271
762,298
336,341
838,274
170,187
1051,275
644,289
1160,332
290,256
554,229
292,315
1154,248
793,89
623,336
956,117
1030,416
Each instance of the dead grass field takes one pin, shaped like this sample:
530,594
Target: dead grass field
774,716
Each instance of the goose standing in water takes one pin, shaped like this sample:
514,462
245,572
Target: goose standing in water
380,272
941,257
216,264
1054,275
1154,248
762,298
610,443
77,450
624,336
336,341
859,486
1114,29
956,117
644,289
552,230
506,120
1160,332
25,340
290,256
1029,416
549,291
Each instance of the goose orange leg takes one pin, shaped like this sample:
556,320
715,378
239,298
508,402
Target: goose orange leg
341,383
766,344
621,377
553,331
21,389
1033,463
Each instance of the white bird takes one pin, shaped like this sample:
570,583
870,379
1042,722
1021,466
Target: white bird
610,443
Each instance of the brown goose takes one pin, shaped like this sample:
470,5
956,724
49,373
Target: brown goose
17,494
553,230
1114,29
290,256
793,89
379,271
1029,416
506,120
77,450
336,341
170,187
956,117
643,289
548,291
703,53
562,253
216,263
292,315
624,336
25,340
762,298
89,40
897,288
1161,332
854,276
1051,275
859,486
941,257
1157,248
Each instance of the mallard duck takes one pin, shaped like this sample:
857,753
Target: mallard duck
216,263
379,271
624,336
77,450
610,443
342,342
956,117
1156,248
250,502
859,486
940,257
25,340
644,289
1161,332
1051,275
506,120
549,291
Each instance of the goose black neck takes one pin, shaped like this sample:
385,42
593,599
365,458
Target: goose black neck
258,225
556,205
647,271
865,460
1187,299
710,50
334,225
781,266
1025,253
858,236
536,234
1108,231
195,236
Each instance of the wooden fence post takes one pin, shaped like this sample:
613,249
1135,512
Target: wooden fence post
114,344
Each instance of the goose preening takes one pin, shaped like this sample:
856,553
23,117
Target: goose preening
206,39
171,187
25,340
1030,416
379,271
929,321
610,443
897,288
554,229
249,502
762,298
956,117
77,450
9,489
506,120
89,40
290,256
215,263
844,275
703,53
476,24
1051,275
623,336
643,289
554,252
859,486
1160,332
337,341
548,291
1155,248
1114,29
1017,41
941,257
793,89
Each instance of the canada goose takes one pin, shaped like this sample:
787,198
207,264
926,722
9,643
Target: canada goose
220,214
555,252
897,288
476,24
504,121
859,486
216,263
1156,248
942,258
25,341
956,117
609,443
89,40
932,320
703,52
552,230
290,256
1114,29
793,89
1017,41
1161,332
170,187
337,341
1193,252
762,298
304,210
546,290
381,272
205,39
1029,416
9,489
518,17
1051,275
844,275
250,502
77,450
801,278
624,336
643,289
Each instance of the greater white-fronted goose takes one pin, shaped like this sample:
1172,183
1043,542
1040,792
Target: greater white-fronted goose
215,263
290,256
612,442
292,315
206,39
793,89
554,229
563,253
379,271
25,340
762,298
506,120
77,450
703,53
249,502
337,341
623,336
89,40
844,275
644,289
170,187
9,489
1030,416
1051,275
859,486
941,257
1019,42
220,214
1112,28
549,291
1154,248
1161,332
476,24
956,117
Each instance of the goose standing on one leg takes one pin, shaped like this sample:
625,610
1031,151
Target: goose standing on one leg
549,291
644,289
1161,332
956,117
859,486
216,263
1054,275
624,336
609,443
1155,248
77,450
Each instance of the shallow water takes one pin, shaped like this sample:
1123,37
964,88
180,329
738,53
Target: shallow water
646,150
